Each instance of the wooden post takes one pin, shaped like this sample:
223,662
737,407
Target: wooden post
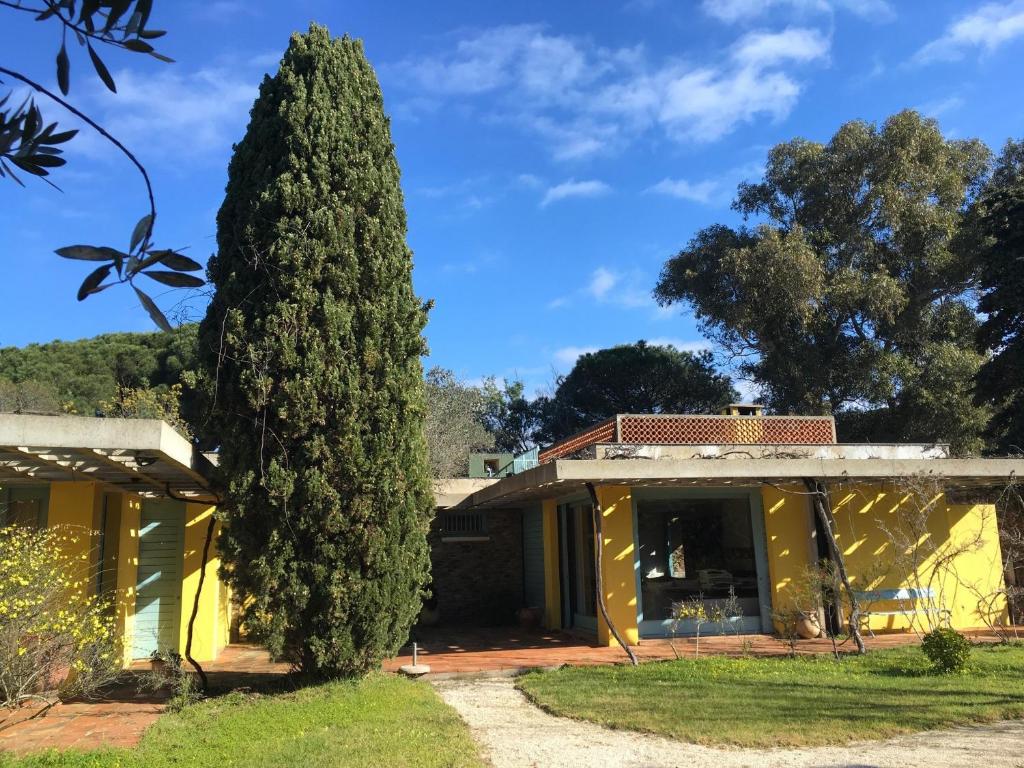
599,576
823,508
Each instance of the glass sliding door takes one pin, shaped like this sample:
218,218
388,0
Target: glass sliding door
579,582
703,547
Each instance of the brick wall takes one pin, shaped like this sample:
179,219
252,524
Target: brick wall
479,582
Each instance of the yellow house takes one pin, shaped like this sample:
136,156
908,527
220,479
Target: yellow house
140,495
708,507
703,508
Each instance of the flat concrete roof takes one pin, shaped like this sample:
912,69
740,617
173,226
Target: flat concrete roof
451,492
144,456
568,476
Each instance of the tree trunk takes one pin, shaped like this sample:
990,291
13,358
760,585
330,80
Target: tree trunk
823,509
195,604
599,576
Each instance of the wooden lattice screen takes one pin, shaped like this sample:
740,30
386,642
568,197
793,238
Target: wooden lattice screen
673,429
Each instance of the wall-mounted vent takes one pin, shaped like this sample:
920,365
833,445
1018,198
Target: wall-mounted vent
463,526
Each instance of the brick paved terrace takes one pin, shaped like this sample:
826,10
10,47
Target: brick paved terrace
120,718
465,651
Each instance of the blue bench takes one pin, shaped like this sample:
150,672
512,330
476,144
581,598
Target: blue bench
909,602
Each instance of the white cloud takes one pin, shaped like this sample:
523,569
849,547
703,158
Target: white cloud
629,289
699,192
523,54
717,191
987,28
706,103
765,49
197,115
573,188
529,180
602,281
582,99
733,11
941,106
566,357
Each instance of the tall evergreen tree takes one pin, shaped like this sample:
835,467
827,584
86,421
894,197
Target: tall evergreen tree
311,349
632,378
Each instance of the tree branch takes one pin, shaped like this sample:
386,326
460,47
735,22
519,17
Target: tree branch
100,130
599,577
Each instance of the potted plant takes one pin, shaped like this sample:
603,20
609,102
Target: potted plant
165,661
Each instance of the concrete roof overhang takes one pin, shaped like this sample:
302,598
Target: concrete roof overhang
566,477
144,456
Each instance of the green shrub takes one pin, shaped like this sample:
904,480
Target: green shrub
947,649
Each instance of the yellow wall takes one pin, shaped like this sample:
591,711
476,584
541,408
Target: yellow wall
210,633
788,529
860,512
127,559
76,507
552,587
617,565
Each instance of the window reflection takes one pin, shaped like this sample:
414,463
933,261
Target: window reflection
691,547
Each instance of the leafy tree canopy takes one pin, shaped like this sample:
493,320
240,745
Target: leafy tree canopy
509,416
851,292
1001,378
633,378
80,376
454,423
310,353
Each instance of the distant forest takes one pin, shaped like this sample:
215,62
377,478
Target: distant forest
83,376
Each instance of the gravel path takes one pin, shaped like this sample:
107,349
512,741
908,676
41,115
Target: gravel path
515,734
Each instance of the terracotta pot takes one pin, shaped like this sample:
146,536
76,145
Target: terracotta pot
528,618
808,628
158,665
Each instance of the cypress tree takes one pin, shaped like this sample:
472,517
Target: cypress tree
311,349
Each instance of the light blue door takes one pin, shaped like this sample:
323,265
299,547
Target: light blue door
533,559
158,590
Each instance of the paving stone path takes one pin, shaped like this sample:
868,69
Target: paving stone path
513,733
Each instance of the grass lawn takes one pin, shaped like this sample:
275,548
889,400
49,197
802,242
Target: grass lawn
381,720
787,702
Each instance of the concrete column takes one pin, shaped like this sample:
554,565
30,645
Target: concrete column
618,568
208,635
789,530
128,512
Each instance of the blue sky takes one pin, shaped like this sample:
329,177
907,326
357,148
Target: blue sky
553,154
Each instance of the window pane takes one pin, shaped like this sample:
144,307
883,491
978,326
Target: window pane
692,547
24,512
586,576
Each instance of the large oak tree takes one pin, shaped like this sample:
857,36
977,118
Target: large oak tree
849,289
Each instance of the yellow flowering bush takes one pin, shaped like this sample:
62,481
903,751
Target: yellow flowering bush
56,638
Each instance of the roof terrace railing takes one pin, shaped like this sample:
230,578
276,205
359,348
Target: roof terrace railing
683,429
